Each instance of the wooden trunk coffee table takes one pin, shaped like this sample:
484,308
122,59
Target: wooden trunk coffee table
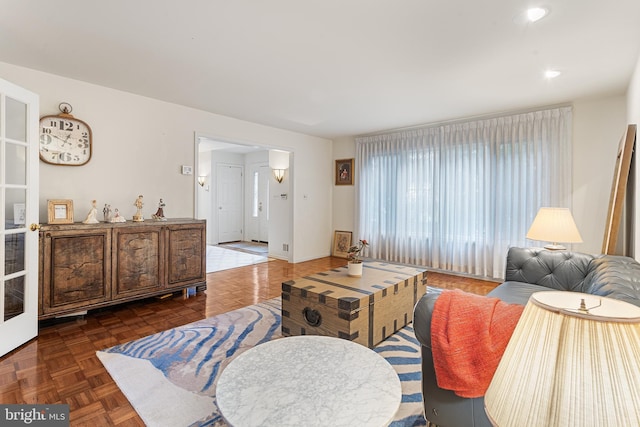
308,381
366,309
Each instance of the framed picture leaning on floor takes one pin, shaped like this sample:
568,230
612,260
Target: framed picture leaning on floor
341,243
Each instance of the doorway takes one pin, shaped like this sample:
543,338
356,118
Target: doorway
19,216
266,213
225,198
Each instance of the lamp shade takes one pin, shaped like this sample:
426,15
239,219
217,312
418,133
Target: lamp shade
278,159
554,225
566,366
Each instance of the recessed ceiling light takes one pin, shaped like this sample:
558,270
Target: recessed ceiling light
551,74
535,14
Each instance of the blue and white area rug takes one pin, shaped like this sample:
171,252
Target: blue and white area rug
170,377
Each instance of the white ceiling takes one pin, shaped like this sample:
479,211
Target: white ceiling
331,67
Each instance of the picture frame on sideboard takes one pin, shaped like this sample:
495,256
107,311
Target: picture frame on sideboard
60,211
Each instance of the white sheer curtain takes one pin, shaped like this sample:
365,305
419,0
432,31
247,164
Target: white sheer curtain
456,196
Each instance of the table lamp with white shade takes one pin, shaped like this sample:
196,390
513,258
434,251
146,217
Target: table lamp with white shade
573,360
554,225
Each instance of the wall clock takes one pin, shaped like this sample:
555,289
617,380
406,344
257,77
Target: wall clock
64,140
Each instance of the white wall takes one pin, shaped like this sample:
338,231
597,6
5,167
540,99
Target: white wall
280,206
633,117
344,196
316,201
598,125
633,96
204,210
140,144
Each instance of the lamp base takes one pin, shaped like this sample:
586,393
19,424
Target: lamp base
555,247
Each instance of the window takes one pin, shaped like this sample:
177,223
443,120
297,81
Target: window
255,199
456,196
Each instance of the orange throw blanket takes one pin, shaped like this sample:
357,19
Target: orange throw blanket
468,336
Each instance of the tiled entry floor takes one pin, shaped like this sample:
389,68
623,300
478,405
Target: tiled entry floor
252,247
220,258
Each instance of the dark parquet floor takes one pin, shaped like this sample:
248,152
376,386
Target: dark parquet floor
60,365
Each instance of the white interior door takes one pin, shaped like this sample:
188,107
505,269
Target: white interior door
258,226
19,199
229,196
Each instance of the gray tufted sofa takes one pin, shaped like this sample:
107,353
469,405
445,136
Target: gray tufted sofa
528,270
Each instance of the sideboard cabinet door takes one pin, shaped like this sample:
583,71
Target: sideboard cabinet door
187,248
76,269
137,260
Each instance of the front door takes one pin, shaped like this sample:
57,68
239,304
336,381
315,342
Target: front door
19,199
258,226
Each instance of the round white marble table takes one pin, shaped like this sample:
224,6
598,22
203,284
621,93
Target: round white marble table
309,381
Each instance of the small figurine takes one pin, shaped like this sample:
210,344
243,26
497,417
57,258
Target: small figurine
107,212
91,216
159,215
117,217
138,204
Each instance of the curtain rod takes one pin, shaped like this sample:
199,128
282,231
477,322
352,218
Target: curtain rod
466,119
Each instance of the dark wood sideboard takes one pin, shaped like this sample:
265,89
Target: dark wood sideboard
86,266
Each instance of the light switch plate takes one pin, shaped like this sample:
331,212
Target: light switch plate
187,170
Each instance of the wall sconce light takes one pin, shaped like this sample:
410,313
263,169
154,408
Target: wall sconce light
278,174
202,180
279,163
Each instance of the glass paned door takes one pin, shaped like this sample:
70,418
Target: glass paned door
19,201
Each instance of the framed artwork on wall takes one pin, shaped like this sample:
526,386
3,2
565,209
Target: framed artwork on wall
344,172
341,243
60,211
